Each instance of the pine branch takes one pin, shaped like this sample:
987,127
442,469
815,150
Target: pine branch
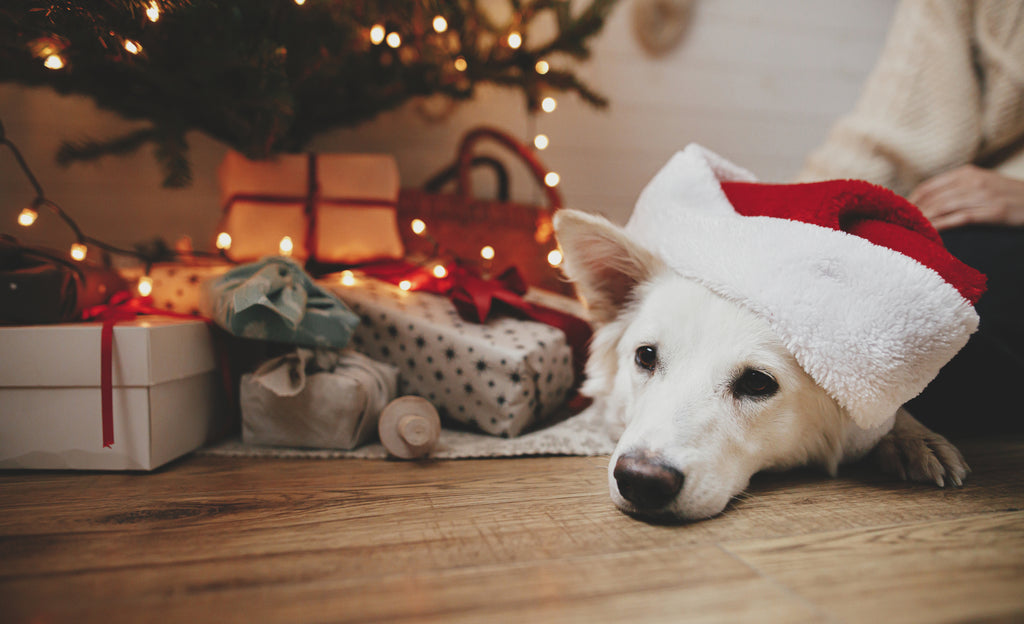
565,81
171,152
91,149
266,76
574,32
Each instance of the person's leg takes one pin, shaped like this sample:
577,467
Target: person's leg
980,390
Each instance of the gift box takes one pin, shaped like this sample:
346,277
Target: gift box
166,394
39,285
329,398
275,300
500,377
334,208
177,287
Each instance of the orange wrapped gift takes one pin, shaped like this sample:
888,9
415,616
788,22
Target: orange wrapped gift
334,208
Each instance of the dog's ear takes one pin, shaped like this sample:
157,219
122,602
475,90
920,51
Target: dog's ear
602,260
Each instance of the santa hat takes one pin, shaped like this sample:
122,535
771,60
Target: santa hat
852,277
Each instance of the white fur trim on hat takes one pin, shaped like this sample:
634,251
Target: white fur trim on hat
869,324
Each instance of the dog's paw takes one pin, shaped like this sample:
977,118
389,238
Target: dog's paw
913,452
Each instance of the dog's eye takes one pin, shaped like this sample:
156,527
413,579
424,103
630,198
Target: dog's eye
754,383
646,357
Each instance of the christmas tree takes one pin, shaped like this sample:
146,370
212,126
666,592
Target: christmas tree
266,76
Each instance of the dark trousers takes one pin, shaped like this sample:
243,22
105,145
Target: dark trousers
981,390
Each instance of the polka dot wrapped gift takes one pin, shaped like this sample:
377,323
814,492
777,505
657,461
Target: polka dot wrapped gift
501,377
176,287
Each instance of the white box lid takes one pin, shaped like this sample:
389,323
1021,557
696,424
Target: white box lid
146,351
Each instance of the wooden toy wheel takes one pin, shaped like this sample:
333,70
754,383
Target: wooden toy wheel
409,427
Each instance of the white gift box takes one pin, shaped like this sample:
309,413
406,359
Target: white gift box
166,390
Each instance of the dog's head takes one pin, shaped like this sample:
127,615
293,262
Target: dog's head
704,392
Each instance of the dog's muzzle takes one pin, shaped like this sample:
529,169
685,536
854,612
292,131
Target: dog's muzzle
646,482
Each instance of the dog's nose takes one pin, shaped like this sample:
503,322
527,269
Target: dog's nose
645,482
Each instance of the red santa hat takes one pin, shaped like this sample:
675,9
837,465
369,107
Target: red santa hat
852,277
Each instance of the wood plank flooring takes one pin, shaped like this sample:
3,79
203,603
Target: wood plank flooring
210,539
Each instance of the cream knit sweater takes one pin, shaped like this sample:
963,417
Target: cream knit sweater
947,90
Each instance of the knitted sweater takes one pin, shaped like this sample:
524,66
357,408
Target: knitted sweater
947,90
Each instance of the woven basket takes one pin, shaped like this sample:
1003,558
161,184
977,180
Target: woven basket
460,225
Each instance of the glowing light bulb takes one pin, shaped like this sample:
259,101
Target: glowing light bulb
300,2
153,11
405,284
540,141
27,217
145,286
552,179
515,40
461,64
223,241
377,34
418,227
53,61
348,278
440,272
487,252
440,24
133,47
78,251
542,67
548,104
393,39
554,257
286,246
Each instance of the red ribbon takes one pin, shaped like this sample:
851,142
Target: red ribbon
475,298
270,198
122,306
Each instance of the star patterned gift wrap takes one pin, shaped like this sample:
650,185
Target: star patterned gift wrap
500,377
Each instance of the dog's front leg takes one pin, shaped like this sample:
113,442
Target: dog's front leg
916,453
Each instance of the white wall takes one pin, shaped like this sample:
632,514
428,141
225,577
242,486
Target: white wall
759,81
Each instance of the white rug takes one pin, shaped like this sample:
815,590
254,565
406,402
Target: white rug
585,434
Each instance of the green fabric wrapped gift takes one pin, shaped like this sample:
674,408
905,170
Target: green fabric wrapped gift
275,300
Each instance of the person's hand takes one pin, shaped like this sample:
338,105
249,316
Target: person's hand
970,194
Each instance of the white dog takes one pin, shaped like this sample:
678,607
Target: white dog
705,393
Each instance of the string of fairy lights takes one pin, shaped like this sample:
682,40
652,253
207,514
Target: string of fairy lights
50,54
50,51
80,248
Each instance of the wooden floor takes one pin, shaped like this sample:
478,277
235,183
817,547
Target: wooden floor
211,539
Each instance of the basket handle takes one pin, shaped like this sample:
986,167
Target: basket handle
465,160
447,174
